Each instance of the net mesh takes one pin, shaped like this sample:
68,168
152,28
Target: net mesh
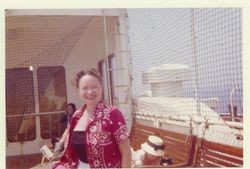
159,36
207,41
41,40
32,43
204,43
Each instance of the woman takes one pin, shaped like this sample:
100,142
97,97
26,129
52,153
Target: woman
150,154
97,135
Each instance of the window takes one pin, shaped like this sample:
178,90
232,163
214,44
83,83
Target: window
20,105
102,66
52,100
102,69
112,76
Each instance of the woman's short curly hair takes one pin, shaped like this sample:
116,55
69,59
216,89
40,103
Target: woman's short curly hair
91,71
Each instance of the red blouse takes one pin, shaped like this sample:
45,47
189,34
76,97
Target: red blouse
105,131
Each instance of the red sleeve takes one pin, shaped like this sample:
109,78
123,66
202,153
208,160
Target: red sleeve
119,127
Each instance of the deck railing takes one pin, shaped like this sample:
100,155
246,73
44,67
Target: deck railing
188,150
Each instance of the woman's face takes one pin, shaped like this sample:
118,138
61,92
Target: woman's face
90,90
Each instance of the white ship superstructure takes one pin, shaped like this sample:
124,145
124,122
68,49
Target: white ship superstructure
166,101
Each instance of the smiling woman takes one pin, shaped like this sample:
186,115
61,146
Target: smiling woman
98,134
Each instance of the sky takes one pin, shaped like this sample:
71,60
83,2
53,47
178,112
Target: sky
165,36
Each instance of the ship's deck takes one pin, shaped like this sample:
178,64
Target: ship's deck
183,150
23,162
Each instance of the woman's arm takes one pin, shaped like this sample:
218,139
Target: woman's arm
64,136
126,153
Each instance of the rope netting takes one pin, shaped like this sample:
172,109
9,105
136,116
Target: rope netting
187,63
37,46
41,40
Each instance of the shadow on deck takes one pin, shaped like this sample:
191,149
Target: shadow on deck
23,162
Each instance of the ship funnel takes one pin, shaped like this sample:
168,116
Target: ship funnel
167,80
